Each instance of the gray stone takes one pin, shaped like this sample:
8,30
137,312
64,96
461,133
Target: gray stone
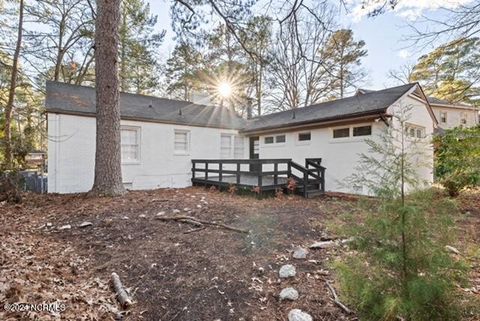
287,271
85,224
300,253
142,216
289,294
323,245
65,227
299,315
161,213
176,211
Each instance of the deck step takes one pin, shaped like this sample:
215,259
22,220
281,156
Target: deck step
314,192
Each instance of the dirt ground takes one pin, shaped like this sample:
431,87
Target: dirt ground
173,271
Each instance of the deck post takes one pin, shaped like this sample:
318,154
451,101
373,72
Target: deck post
193,169
275,174
238,173
259,173
305,183
220,174
206,171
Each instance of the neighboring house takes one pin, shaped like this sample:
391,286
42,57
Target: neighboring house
160,137
451,115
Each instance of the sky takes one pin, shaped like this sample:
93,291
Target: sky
384,35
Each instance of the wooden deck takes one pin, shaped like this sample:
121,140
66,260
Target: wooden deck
264,174
246,180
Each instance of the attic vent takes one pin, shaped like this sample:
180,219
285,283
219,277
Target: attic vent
294,116
180,112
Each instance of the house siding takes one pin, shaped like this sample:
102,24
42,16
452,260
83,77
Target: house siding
71,151
454,116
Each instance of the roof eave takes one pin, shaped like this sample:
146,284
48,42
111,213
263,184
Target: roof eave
336,119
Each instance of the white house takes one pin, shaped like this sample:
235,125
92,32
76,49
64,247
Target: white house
454,115
160,137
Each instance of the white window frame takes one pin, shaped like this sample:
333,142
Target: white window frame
230,147
352,131
233,148
443,113
265,140
279,143
341,138
138,132
409,127
188,143
238,139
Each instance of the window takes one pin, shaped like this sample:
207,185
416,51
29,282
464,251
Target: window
231,146
268,140
304,137
419,133
181,142
412,132
225,146
280,139
238,147
341,132
362,131
443,117
415,131
463,118
130,144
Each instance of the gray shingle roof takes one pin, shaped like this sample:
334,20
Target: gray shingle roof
371,102
72,99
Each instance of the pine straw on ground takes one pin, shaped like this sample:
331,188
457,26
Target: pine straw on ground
208,274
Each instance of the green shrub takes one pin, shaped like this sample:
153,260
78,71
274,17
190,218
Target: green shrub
457,159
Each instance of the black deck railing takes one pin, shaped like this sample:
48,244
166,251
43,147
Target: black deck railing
267,174
264,174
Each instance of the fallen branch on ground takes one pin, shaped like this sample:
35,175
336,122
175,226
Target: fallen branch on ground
200,223
336,300
122,295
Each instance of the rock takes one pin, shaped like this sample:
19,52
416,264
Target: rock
199,206
126,218
85,224
287,271
142,216
65,227
299,315
161,213
300,253
452,249
323,245
49,224
176,211
289,294
187,209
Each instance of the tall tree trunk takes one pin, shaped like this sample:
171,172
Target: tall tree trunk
108,170
123,52
7,130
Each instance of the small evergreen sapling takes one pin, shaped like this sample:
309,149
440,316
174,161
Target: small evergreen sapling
399,269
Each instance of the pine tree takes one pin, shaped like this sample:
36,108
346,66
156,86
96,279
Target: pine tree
139,67
182,71
451,71
400,269
108,170
343,54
